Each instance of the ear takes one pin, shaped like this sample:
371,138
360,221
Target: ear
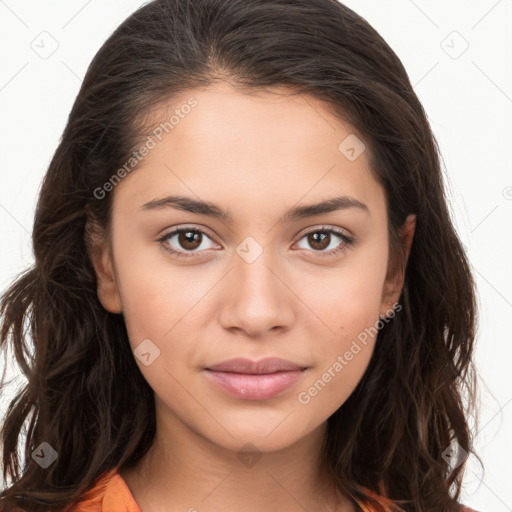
99,252
396,271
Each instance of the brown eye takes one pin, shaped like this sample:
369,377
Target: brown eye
185,242
189,239
319,240
325,238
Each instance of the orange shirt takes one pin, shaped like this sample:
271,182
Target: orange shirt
111,494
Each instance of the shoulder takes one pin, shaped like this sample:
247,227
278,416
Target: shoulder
108,494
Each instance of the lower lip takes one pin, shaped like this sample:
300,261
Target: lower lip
254,387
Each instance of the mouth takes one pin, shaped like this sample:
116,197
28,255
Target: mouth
255,380
263,366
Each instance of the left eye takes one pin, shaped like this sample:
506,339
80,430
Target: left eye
321,239
189,240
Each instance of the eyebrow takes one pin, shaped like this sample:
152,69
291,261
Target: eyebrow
199,207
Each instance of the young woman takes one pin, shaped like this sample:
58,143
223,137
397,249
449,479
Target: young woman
247,293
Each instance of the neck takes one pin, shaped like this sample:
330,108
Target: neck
186,471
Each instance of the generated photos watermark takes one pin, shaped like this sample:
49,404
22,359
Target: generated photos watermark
144,150
304,397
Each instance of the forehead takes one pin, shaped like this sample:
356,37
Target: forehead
270,145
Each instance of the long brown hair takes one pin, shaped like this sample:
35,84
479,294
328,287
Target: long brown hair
390,437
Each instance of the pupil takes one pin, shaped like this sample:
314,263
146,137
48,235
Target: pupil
187,239
319,239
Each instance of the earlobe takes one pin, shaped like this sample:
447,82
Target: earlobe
101,259
396,275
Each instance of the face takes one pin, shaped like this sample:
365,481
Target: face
270,278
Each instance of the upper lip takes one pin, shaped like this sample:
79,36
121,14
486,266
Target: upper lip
267,365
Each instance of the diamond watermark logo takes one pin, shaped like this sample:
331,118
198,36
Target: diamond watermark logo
249,455
454,455
44,455
352,147
146,352
249,250
45,45
454,45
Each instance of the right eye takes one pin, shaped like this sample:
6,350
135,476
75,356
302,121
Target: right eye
184,242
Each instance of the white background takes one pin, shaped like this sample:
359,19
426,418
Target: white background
467,96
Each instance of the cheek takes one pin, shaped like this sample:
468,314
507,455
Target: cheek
345,300
158,296
349,306
342,358
159,307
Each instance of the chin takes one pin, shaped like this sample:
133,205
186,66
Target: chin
265,435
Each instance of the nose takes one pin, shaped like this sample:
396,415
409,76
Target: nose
257,297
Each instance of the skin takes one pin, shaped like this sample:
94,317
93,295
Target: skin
257,156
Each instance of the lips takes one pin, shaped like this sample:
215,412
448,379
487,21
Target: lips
248,367
255,380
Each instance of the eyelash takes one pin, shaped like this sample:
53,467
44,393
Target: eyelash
347,241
